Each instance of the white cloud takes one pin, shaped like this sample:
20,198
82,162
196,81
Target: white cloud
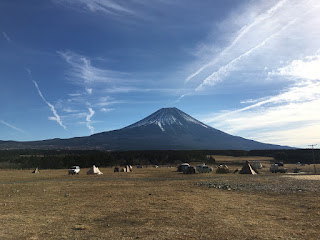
11,126
106,109
299,137
284,118
88,120
89,90
74,94
106,101
69,110
269,123
308,68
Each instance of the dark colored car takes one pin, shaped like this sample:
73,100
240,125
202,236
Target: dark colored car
189,170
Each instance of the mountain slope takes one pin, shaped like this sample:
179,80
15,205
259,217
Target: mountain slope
166,129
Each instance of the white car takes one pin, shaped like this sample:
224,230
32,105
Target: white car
74,170
274,168
203,168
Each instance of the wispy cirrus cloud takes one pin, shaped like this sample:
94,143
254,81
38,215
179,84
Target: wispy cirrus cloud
11,126
225,70
291,112
277,22
92,79
95,83
264,60
106,101
56,116
6,36
83,72
106,109
143,89
243,31
268,123
109,7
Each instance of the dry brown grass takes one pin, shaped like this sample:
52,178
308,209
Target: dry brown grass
151,203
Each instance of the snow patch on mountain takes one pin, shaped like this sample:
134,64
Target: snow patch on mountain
160,126
166,117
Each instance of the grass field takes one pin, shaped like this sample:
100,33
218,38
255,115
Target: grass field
160,203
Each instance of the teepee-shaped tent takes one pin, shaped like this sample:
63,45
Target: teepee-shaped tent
126,169
94,170
36,171
248,169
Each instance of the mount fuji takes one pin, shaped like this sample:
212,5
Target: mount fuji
166,129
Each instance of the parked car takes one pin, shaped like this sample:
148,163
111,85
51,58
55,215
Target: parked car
182,166
274,168
189,170
201,168
74,170
280,164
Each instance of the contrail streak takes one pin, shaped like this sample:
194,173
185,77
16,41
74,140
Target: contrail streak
11,126
216,76
243,31
53,110
5,35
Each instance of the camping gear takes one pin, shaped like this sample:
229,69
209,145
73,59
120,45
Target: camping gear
248,169
94,170
223,169
256,164
126,169
36,171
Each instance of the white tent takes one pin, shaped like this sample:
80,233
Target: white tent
94,170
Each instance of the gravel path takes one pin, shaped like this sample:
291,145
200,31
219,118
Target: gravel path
278,184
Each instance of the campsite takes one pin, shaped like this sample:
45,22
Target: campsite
159,203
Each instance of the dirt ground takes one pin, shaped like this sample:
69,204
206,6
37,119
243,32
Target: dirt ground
158,203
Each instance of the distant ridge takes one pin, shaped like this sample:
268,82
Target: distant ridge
165,129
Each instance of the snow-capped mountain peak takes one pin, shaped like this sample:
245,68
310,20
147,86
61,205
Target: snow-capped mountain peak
167,118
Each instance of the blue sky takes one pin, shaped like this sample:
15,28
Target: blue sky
76,67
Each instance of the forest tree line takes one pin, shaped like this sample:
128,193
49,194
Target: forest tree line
58,159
